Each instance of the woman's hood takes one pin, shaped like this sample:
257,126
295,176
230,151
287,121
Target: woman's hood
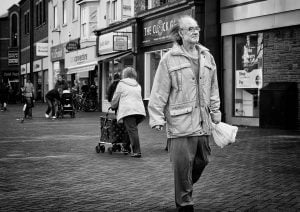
130,81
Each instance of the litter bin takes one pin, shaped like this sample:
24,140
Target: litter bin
278,105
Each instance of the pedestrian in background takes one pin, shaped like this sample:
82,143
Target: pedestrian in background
128,99
185,96
52,97
61,84
112,87
28,93
3,95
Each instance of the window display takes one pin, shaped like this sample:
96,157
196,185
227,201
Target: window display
151,63
248,74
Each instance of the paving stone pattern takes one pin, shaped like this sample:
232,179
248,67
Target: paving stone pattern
51,165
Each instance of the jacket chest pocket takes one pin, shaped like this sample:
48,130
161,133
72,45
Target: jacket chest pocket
178,74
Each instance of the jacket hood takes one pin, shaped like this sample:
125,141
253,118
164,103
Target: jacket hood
176,50
130,81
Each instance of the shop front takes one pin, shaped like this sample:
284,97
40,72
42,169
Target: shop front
115,52
81,66
260,49
57,64
40,78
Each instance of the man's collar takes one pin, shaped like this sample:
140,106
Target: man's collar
177,50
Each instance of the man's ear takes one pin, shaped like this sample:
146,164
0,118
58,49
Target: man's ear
180,33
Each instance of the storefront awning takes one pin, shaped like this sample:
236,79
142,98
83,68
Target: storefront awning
82,68
114,55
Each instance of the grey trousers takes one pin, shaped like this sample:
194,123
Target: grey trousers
131,124
189,157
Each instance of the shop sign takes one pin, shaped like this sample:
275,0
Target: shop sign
120,43
57,52
41,49
81,56
106,41
37,65
73,45
10,74
246,79
23,69
13,58
157,30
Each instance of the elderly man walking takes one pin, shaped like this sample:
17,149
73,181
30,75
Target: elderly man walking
185,97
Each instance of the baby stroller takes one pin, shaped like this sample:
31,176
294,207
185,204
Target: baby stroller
112,134
66,106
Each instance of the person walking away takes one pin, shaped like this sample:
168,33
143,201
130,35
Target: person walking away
128,99
185,97
61,84
52,96
28,92
3,96
85,88
112,87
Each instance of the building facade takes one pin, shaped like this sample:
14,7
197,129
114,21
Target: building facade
73,42
261,69
116,43
9,52
34,45
141,38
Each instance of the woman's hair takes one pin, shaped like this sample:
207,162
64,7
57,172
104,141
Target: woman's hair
129,72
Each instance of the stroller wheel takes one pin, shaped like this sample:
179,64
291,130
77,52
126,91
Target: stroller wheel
97,149
102,148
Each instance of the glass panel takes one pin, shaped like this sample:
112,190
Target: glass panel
64,12
151,61
55,17
109,73
248,74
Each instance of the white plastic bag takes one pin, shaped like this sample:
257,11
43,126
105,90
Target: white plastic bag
24,107
224,134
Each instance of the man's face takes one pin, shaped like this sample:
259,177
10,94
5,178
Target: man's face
189,31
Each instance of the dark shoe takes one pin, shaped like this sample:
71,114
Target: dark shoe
188,208
136,155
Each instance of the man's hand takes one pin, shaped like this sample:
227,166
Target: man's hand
159,127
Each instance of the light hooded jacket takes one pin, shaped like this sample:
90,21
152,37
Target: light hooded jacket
176,99
128,99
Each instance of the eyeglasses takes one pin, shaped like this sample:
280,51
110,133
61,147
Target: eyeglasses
192,29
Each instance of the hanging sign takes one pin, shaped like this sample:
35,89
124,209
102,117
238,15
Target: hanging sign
120,43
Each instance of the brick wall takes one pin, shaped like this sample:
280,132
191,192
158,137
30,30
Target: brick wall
24,37
282,58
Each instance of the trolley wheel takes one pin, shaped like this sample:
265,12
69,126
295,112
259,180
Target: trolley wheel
119,148
109,149
97,149
102,148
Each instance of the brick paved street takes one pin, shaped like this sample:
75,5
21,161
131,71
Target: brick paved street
51,165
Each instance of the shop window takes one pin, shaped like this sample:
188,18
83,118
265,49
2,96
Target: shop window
64,12
14,30
26,20
75,10
55,17
152,60
155,3
88,21
248,74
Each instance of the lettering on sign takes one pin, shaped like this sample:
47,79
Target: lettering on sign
158,30
13,58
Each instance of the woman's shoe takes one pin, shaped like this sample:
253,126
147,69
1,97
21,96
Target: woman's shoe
136,155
